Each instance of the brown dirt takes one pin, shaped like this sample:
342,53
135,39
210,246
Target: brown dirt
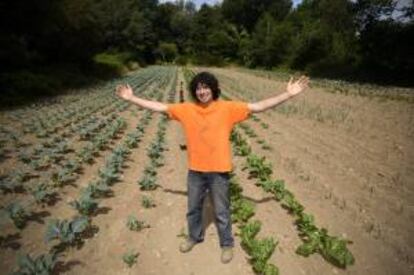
347,159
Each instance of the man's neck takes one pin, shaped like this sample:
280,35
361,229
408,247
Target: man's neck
206,104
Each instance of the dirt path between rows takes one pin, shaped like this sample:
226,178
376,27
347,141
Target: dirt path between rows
158,245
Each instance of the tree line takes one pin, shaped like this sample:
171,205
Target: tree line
364,40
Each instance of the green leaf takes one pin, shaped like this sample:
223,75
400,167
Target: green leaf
335,251
307,248
79,224
130,258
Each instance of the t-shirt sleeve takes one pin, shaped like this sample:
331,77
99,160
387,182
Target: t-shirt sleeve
239,111
175,111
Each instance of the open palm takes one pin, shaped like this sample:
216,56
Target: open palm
298,86
124,91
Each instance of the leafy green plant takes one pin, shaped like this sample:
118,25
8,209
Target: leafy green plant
241,210
270,269
243,150
43,264
63,176
38,150
130,258
48,143
333,249
17,141
241,147
85,205
134,224
264,125
155,153
67,232
291,203
25,157
148,181
255,118
258,168
42,163
147,202
97,189
86,154
14,182
276,187
100,142
42,193
41,134
18,214
248,232
140,128
260,252
250,132
108,175
133,139
20,176
115,161
72,165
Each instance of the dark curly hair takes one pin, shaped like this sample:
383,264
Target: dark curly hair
208,79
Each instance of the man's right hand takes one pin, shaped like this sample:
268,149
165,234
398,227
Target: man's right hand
124,92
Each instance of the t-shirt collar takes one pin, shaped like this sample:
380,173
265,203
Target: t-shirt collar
207,108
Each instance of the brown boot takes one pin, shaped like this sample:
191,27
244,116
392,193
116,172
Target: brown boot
226,254
187,245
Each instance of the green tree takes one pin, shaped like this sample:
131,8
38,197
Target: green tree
246,13
270,42
385,50
165,13
206,21
181,26
114,18
140,37
326,41
167,51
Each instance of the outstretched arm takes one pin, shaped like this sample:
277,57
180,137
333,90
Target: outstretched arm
293,88
125,92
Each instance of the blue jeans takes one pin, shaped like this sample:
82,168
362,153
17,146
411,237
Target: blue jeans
218,186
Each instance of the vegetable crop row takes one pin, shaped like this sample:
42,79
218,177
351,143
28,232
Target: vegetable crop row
315,240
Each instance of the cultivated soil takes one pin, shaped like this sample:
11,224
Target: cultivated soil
348,159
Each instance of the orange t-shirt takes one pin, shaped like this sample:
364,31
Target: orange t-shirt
208,130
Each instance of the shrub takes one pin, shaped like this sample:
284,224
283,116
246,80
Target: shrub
181,60
108,63
26,82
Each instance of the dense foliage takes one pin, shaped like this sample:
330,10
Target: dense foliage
49,44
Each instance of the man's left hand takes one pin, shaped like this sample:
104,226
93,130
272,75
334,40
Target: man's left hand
298,86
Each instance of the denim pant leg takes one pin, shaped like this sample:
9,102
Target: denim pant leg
196,186
219,188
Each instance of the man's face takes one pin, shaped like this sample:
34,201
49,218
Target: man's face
204,93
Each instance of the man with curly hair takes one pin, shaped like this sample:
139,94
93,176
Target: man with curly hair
207,123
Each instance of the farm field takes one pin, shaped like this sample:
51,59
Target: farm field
102,183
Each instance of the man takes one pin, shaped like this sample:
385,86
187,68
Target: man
207,125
